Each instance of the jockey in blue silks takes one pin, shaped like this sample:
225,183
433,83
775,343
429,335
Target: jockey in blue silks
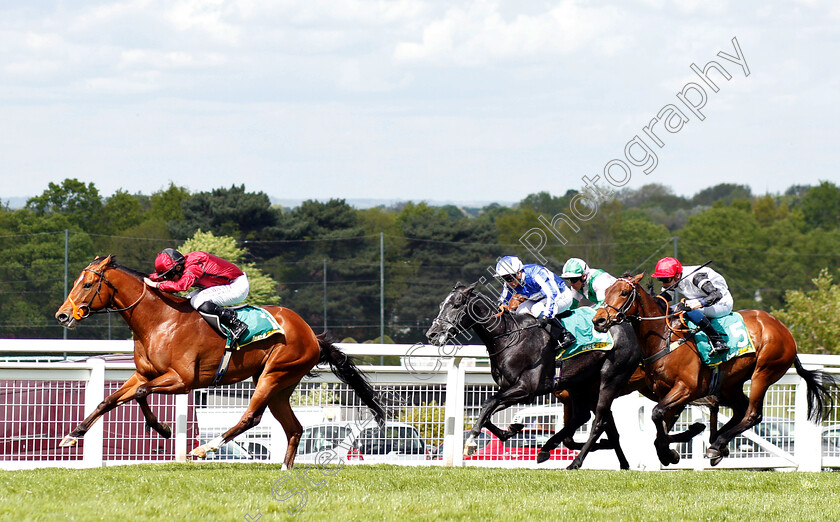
536,290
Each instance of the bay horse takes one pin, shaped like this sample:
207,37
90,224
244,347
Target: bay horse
522,365
176,351
679,377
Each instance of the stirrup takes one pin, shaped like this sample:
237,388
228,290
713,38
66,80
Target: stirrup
566,342
717,350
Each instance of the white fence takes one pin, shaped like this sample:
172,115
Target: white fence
434,396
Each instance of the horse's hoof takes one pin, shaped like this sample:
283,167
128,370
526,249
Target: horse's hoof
675,457
575,464
715,455
469,449
165,430
199,452
515,428
543,456
68,442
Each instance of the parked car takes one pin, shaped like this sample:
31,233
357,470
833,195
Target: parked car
369,443
230,451
523,446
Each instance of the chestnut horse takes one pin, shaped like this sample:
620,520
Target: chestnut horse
678,376
176,351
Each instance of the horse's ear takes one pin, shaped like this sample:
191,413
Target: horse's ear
470,288
638,277
457,285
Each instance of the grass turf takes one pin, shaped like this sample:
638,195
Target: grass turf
232,491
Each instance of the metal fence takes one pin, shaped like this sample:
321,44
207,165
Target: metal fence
432,398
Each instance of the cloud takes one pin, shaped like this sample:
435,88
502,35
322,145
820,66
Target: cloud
479,33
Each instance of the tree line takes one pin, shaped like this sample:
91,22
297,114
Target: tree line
779,252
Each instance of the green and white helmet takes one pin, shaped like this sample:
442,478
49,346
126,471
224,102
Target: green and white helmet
575,267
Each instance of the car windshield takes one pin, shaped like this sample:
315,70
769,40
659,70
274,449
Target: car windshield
399,439
318,438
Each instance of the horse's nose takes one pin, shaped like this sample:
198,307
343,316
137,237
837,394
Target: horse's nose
600,323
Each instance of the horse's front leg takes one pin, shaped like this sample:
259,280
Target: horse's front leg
504,398
664,417
126,393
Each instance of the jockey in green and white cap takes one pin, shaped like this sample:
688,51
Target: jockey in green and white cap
589,284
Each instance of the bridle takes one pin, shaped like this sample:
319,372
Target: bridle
621,312
81,312
449,326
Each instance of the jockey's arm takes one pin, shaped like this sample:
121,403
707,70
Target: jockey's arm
186,281
713,294
551,291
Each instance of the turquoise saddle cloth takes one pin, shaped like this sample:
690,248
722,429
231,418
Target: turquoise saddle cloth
586,338
261,324
734,331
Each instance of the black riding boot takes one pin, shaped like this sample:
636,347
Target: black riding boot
559,333
227,317
718,344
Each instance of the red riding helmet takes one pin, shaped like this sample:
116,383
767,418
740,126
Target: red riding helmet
168,263
667,267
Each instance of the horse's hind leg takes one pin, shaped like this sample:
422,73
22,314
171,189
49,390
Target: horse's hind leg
266,388
746,413
282,411
124,394
163,428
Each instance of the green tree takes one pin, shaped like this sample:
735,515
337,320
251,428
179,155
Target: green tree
723,192
122,211
81,203
810,315
821,206
231,212
263,287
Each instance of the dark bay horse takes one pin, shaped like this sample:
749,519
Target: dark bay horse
679,377
522,364
176,351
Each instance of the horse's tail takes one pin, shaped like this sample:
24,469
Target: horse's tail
345,369
819,398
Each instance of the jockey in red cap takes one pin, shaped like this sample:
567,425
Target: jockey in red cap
707,295
220,283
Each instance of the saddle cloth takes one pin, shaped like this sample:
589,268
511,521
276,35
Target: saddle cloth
734,332
261,324
586,338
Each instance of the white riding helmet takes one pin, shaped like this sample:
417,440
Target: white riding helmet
575,267
508,265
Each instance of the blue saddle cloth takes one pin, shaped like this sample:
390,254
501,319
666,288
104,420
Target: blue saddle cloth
734,331
586,337
261,324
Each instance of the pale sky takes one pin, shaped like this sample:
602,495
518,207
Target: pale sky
410,99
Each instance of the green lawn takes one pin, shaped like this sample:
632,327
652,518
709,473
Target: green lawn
213,492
